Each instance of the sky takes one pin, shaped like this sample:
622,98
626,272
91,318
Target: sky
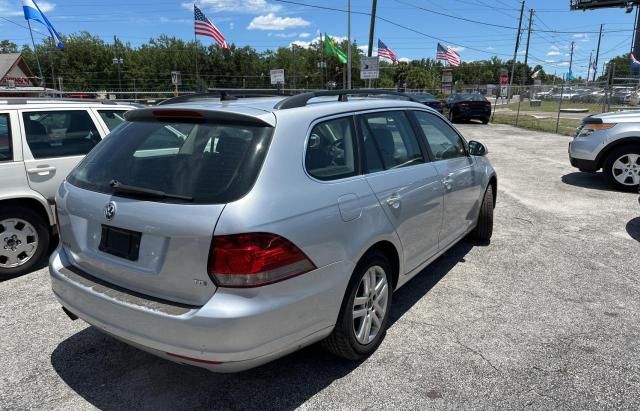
412,30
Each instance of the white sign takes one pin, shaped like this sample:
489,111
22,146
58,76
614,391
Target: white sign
277,76
504,91
369,68
175,78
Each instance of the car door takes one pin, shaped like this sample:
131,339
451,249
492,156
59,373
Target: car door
111,118
405,182
55,141
458,175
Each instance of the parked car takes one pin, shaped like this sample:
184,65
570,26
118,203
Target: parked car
266,225
611,142
41,140
428,100
467,106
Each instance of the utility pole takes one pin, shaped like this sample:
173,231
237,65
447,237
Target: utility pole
349,45
372,26
524,68
589,68
595,64
573,43
515,51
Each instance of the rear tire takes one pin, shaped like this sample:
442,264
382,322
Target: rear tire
484,227
452,118
364,314
27,238
622,168
485,121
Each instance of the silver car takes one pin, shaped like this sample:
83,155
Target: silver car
225,234
611,142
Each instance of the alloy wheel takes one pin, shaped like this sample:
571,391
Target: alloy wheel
370,305
626,169
18,242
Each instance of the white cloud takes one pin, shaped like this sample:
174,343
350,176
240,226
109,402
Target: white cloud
11,8
285,35
405,59
304,35
232,25
238,6
553,53
564,64
490,48
549,61
581,37
306,44
457,49
273,22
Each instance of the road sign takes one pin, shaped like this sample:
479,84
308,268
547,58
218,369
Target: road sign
277,76
176,79
369,68
504,91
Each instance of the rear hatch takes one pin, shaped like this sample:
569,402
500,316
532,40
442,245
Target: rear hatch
140,210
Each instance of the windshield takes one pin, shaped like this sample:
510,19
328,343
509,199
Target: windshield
205,162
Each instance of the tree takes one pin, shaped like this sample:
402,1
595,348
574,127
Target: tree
7,46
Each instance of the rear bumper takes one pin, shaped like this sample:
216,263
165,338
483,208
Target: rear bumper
235,330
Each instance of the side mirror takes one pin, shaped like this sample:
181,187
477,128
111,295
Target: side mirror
477,149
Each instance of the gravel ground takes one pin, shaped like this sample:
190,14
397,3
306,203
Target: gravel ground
547,316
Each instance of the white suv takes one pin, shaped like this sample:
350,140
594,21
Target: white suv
41,140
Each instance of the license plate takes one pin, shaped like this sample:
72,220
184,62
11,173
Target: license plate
120,242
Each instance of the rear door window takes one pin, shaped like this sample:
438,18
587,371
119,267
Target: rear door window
208,162
331,151
6,150
112,118
60,133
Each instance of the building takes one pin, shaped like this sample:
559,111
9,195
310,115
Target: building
16,78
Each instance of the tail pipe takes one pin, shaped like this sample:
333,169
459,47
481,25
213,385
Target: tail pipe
69,314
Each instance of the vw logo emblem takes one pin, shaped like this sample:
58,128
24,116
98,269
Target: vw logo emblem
110,210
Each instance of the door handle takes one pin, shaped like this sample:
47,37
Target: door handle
393,201
44,170
448,182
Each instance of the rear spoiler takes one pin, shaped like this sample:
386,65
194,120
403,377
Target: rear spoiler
170,113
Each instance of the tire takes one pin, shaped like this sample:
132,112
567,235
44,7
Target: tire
623,164
344,341
485,121
452,119
484,227
28,228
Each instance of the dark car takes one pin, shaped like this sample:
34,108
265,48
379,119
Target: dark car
428,100
467,106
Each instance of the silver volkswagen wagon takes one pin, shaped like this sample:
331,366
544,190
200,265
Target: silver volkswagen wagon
227,233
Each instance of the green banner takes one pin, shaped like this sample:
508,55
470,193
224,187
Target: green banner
330,47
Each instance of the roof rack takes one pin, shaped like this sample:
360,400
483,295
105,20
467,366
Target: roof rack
301,100
223,94
38,100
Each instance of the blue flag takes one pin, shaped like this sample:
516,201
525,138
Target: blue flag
33,12
569,76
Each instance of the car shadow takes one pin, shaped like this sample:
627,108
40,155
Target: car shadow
112,375
633,228
595,181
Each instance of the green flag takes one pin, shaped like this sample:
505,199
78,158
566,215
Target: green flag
331,48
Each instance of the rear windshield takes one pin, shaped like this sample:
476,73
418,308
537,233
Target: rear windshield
209,163
471,97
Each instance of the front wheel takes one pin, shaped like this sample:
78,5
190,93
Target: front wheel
622,168
484,227
24,239
364,315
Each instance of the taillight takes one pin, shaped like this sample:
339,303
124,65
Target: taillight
255,259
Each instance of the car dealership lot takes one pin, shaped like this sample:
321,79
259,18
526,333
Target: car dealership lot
547,315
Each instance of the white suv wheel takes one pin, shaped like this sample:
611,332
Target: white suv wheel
626,169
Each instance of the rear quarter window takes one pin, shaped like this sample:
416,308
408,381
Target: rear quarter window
331,149
6,151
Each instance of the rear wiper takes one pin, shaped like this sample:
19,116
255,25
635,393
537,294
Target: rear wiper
118,187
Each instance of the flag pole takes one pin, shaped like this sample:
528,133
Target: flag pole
349,45
195,38
35,51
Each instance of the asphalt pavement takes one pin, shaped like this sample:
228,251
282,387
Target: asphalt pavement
547,316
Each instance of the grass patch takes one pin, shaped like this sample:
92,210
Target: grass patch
552,106
566,126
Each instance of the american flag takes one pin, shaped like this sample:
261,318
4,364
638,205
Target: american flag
204,27
386,52
448,54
